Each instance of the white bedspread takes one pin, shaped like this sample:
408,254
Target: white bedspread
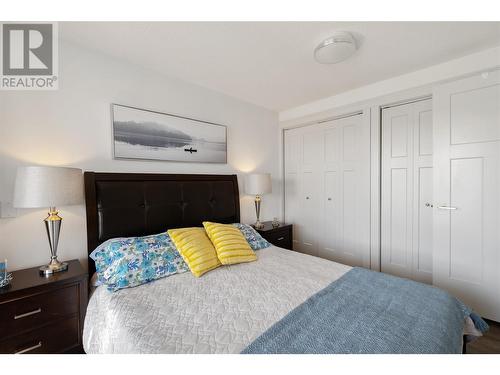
221,312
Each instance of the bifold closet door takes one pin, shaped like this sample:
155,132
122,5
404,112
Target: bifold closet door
303,149
345,167
406,191
327,189
310,198
292,188
467,191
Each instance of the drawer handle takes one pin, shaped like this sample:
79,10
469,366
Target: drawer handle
39,345
37,311
281,238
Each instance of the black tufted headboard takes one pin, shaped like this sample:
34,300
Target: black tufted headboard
138,204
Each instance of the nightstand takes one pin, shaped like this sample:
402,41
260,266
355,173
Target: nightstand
41,314
281,236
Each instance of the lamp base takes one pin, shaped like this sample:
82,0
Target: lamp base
53,267
53,227
258,224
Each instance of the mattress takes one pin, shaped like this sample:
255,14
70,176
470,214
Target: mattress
221,312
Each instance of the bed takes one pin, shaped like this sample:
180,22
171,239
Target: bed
278,304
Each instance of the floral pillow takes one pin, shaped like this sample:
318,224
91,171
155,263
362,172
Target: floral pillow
253,238
128,262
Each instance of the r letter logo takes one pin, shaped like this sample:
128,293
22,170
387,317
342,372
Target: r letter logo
29,56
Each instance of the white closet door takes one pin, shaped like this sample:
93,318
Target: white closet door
332,226
406,206
310,197
396,191
466,258
345,167
422,192
303,149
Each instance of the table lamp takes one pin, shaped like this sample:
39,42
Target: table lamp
49,187
258,184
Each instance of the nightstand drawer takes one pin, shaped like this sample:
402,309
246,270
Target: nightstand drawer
33,311
280,238
53,338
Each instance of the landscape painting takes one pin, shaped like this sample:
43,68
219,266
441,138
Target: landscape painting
143,134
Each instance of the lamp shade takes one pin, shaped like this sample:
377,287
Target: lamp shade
48,187
258,183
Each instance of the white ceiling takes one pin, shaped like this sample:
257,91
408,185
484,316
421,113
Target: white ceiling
271,63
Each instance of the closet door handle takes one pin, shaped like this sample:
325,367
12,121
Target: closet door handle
449,208
307,197
329,199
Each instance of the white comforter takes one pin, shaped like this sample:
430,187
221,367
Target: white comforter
221,312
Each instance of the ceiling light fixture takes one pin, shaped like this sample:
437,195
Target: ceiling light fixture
340,46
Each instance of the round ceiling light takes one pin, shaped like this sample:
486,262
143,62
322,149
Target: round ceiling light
340,46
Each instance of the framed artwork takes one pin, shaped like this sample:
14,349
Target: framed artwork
150,135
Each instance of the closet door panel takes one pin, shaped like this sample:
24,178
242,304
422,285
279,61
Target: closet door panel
398,235
330,232
423,238
332,147
292,181
363,202
292,208
351,251
475,113
424,130
309,214
466,224
311,149
350,141
422,195
310,199
331,219
466,256
292,151
396,192
301,186
399,132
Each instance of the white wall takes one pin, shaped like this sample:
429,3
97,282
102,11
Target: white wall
71,127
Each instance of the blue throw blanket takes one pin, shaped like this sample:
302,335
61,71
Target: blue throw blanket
371,312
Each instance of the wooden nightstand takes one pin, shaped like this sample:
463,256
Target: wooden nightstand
281,236
44,314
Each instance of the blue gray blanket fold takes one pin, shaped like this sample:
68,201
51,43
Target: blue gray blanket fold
371,312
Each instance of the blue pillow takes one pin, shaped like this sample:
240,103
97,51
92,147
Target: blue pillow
253,238
128,262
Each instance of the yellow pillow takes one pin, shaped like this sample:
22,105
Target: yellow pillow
230,244
196,249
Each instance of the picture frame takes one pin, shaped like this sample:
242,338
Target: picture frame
152,135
